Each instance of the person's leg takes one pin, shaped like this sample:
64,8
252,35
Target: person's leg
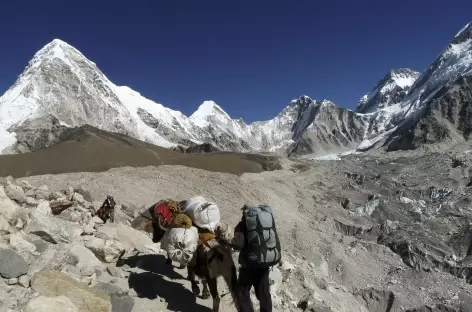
262,288
245,281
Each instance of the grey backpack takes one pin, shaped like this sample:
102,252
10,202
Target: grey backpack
262,245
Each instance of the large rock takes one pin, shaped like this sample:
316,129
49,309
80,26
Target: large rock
53,230
12,265
51,304
54,283
129,237
16,193
44,208
53,258
7,206
18,241
84,192
84,257
105,250
4,225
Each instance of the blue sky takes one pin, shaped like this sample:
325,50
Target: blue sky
251,57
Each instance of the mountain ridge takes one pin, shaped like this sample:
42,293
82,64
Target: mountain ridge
60,88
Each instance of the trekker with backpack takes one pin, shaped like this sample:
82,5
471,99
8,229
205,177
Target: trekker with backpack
256,236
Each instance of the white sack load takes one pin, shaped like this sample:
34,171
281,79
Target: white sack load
205,215
180,244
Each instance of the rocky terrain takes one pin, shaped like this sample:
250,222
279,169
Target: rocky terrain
366,233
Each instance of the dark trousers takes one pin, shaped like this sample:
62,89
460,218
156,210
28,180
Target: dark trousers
259,278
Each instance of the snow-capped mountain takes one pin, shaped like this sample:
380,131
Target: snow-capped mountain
60,88
439,104
390,90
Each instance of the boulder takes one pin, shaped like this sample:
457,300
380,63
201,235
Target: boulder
25,185
24,281
53,258
51,304
18,241
54,283
84,192
105,250
53,230
44,208
78,198
16,193
12,264
42,192
129,237
84,257
4,226
30,201
7,206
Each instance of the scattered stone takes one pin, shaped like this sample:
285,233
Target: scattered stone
107,251
12,281
18,242
287,266
84,193
129,237
51,304
376,300
4,226
12,264
78,198
121,302
54,283
41,192
53,258
87,271
16,193
84,257
114,271
25,185
40,245
7,206
30,201
44,208
53,230
56,196
24,281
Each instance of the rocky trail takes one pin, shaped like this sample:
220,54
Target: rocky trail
361,234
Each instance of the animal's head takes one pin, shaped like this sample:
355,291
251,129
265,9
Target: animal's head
109,201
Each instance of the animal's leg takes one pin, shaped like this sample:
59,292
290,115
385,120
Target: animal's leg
169,260
205,292
212,283
193,282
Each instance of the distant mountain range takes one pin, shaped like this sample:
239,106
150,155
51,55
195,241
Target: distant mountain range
60,88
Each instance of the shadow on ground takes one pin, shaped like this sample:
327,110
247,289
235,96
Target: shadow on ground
152,283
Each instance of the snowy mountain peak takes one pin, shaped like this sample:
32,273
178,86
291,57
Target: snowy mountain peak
391,89
465,31
208,109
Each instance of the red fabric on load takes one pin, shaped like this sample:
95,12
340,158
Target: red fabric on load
164,212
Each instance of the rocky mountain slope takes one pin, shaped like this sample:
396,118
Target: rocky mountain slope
390,90
60,88
361,234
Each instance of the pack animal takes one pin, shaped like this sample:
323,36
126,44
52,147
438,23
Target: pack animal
211,260
107,210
